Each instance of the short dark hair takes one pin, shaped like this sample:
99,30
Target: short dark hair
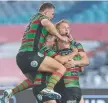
46,6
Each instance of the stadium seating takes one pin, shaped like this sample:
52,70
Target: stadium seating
77,12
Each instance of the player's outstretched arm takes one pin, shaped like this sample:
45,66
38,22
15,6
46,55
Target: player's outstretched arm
52,30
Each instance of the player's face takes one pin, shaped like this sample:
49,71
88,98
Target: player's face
50,13
64,29
62,44
50,40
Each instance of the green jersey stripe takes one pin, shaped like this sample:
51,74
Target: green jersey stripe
27,40
30,35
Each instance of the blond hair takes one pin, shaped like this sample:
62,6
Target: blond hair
60,22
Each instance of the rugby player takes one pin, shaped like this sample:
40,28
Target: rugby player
39,79
71,92
34,56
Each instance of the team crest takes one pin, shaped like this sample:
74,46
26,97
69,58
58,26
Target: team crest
34,63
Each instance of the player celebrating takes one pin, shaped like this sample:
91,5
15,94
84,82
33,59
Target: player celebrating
71,91
40,76
34,56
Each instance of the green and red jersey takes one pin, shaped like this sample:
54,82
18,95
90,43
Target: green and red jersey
71,76
35,36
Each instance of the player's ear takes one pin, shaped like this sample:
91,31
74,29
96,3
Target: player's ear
46,11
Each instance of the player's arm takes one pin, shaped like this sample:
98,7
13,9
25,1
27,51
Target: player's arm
84,58
51,29
49,52
65,59
74,53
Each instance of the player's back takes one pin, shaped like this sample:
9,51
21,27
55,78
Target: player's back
34,34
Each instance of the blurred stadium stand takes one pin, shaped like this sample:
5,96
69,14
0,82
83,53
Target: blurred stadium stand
75,11
89,26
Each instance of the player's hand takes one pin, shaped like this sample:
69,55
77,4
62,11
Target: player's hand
70,37
70,64
67,65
